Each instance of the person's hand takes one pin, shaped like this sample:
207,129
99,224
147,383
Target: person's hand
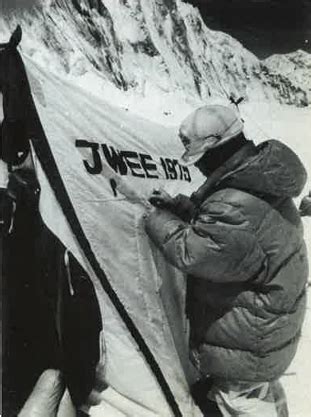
161,199
49,398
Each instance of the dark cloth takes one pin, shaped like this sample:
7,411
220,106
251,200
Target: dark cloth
50,310
246,259
30,340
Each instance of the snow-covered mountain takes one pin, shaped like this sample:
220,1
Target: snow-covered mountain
144,46
296,66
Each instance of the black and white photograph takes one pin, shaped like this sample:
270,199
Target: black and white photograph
155,208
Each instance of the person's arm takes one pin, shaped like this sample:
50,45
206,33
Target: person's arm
217,246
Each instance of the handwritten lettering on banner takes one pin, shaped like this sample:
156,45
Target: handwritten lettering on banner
133,163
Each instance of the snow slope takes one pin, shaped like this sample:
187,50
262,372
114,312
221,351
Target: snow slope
296,66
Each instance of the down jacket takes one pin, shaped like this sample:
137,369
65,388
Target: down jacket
246,260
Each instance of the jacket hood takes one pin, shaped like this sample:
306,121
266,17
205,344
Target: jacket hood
274,170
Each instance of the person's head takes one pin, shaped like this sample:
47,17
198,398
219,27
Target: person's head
211,134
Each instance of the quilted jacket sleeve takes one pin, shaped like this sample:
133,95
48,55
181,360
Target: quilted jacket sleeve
218,246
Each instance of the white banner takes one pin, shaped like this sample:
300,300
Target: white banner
90,142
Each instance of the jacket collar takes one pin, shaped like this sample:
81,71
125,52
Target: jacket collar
238,161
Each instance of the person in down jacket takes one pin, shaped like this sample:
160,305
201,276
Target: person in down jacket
239,238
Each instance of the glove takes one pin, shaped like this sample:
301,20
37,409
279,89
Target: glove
161,199
181,205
